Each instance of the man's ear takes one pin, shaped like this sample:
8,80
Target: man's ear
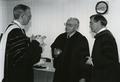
22,15
76,27
99,22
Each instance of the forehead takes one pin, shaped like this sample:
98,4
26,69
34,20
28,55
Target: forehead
28,12
72,21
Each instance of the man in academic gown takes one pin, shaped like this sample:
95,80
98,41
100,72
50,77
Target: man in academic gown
104,53
70,51
20,51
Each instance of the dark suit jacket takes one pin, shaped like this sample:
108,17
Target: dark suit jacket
105,57
70,64
20,56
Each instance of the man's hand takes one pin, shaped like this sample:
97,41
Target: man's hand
82,80
40,39
57,52
32,38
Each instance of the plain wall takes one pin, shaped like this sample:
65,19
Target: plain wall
49,16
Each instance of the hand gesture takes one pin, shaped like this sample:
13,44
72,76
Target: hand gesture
32,38
57,51
41,39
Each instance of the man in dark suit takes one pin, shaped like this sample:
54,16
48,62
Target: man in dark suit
21,52
104,53
70,51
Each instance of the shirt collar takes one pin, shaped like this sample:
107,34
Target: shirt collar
18,23
71,34
101,30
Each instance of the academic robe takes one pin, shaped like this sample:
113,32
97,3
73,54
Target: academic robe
105,58
20,56
70,64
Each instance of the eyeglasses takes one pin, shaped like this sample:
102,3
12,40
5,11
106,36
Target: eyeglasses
70,25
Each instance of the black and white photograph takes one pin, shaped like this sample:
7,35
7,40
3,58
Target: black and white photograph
59,41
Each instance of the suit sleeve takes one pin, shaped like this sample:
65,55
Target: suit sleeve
109,51
56,44
82,52
85,69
